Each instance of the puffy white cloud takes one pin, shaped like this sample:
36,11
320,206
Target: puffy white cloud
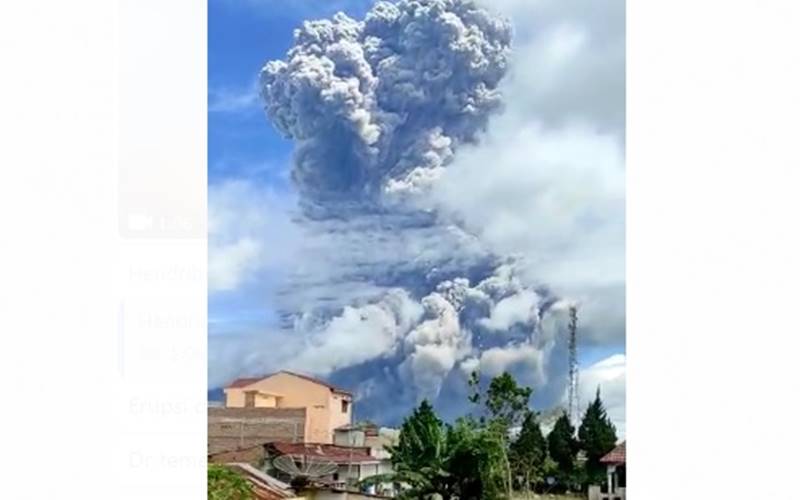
555,198
249,232
608,375
520,308
497,360
434,346
568,63
358,334
547,182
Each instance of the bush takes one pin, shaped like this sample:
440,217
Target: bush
226,484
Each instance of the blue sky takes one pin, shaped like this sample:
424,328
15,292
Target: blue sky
242,145
242,36
249,166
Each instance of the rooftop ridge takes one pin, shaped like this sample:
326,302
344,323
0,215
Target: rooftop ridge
246,381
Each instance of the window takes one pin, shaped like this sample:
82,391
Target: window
345,405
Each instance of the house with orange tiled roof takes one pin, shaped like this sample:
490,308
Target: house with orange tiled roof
326,406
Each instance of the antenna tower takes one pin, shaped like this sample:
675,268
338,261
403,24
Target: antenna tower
572,408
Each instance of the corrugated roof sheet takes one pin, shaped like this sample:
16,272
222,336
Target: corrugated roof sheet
332,452
265,487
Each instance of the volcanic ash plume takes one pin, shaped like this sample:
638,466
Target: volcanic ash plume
379,106
377,109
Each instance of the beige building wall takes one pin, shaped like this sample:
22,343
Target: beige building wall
325,408
234,398
266,401
341,411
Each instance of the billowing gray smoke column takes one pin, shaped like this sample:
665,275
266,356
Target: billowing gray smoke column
379,106
377,109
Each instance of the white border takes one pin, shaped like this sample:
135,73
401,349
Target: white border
712,230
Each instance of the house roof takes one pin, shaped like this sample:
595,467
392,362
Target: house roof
615,456
332,452
244,382
368,428
265,487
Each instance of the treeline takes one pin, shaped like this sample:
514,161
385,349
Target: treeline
497,448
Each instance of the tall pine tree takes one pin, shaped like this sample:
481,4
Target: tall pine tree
421,438
562,444
528,451
597,436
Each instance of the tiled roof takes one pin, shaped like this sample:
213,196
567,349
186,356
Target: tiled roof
615,456
332,452
244,382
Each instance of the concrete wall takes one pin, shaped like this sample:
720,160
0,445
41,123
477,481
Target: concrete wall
234,428
595,493
253,455
350,437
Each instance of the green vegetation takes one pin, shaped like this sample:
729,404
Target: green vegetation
597,436
452,461
225,484
528,453
563,449
477,458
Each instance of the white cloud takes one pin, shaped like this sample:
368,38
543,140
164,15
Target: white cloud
233,100
609,375
547,182
496,360
519,308
554,197
358,334
249,231
569,61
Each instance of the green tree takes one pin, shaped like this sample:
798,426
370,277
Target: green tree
430,458
597,436
506,404
421,438
507,401
528,452
226,484
562,445
476,463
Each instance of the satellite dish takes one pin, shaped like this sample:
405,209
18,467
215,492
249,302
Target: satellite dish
304,468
